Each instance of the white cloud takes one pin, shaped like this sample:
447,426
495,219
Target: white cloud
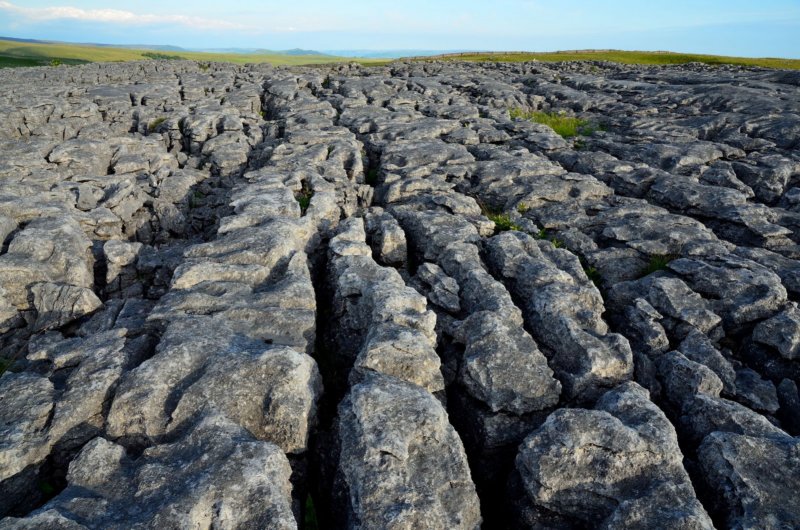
115,16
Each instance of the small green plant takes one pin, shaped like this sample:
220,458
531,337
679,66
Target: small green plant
310,515
5,364
557,243
564,125
162,56
657,263
371,177
502,222
155,123
304,197
594,275
46,487
196,199
522,207
204,66
55,62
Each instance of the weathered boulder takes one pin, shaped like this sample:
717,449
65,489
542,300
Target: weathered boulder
400,463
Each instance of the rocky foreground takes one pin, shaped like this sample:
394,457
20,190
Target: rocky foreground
246,297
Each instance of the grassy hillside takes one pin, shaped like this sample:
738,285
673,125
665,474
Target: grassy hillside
620,57
14,53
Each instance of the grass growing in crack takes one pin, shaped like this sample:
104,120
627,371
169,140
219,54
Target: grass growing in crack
155,123
502,222
657,263
5,364
594,275
522,207
196,199
304,197
543,235
371,177
564,125
310,515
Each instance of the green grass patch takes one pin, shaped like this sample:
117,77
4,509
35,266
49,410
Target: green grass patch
197,199
545,236
502,222
594,275
564,125
619,56
371,177
304,197
310,515
155,123
657,263
5,364
15,54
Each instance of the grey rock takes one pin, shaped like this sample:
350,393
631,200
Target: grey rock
200,366
755,479
58,305
400,463
782,332
620,462
217,475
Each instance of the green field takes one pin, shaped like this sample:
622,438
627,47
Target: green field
14,54
656,58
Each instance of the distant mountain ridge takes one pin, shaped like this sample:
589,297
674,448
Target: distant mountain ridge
170,48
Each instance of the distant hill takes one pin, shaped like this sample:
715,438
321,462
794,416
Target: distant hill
32,52
389,54
156,47
254,51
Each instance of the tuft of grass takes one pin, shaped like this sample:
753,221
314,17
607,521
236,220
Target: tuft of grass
5,364
371,177
204,66
522,207
657,263
557,243
197,199
310,515
155,123
55,62
502,222
564,125
594,275
304,197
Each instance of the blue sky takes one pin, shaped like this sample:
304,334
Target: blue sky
731,27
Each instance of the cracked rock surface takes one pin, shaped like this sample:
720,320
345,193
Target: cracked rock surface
255,297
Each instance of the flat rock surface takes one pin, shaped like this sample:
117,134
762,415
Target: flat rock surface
254,297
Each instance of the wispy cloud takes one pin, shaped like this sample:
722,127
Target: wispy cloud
116,16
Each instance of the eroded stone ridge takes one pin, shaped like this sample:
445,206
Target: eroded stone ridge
248,297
